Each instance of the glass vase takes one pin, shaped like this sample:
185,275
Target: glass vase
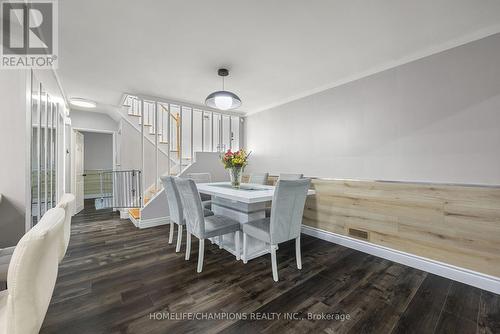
235,174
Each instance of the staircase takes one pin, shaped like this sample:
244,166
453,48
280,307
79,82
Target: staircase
161,126
174,132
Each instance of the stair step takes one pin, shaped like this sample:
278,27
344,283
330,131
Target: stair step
136,213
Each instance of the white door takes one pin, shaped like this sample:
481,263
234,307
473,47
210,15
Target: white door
78,171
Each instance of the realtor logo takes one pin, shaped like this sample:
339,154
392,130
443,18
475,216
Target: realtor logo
29,34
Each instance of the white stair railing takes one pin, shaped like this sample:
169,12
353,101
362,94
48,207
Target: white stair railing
180,129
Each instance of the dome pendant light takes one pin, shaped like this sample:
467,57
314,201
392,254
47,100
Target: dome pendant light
222,99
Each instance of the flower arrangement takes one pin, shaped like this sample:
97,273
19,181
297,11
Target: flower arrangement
235,162
238,159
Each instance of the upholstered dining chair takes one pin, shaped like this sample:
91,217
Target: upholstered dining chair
258,178
176,210
284,176
67,203
32,276
287,176
285,221
202,178
200,226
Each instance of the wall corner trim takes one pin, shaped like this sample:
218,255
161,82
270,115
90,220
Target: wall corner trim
479,280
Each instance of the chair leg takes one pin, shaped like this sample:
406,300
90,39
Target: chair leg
297,252
188,245
201,250
237,245
245,248
171,236
179,239
273,263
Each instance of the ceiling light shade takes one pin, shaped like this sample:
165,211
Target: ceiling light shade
82,103
222,99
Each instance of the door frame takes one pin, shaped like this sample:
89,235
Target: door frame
73,165
73,147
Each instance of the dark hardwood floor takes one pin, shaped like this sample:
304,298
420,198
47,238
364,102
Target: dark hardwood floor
119,279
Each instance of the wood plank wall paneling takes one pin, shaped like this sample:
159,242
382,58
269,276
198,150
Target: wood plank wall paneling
454,224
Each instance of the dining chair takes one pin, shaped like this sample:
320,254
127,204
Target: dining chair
287,176
32,276
285,221
202,178
67,203
284,176
176,210
200,226
258,178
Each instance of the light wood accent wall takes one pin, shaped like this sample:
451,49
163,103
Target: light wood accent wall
458,225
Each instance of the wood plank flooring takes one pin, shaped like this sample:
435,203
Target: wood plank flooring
119,279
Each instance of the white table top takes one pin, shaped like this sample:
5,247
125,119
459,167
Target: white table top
248,193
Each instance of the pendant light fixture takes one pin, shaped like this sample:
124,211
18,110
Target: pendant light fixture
222,99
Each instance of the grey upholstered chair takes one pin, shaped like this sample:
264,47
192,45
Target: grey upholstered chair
285,222
202,178
258,178
285,176
200,226
176,210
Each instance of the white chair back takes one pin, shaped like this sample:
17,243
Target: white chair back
32,275
67,203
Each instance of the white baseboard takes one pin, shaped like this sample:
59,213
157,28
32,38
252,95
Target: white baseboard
146,223
466,276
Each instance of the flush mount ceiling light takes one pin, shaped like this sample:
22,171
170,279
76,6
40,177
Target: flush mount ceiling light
222,99
82,103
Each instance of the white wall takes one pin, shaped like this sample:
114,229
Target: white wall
90,120
13,153
98,150
436,119
208,162
129,139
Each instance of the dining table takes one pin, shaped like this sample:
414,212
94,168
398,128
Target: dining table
244,204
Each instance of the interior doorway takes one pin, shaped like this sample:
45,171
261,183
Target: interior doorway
93,160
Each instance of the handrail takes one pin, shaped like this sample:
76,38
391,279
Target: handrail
177,126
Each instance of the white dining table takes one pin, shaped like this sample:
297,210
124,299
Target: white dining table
245,204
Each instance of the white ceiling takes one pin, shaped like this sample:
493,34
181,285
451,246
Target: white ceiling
276,50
